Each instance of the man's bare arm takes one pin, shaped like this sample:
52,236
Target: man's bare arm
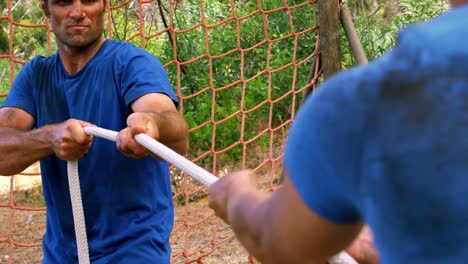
21,145
279,227
155,115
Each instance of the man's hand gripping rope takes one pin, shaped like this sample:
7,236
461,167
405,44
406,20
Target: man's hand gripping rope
180,162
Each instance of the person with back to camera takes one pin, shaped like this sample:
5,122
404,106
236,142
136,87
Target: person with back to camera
383,144
91,80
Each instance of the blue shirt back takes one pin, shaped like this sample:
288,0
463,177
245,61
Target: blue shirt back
127,203
387,143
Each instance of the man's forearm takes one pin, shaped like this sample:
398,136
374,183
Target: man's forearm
19,149
173,130
249,217
252,216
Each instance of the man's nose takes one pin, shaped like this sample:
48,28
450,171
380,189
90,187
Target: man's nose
76,10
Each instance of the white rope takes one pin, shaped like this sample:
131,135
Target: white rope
180,162
78,215
342,258
162,151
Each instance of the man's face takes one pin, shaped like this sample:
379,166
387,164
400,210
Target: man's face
75,23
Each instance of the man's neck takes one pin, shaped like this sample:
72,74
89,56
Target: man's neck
74,59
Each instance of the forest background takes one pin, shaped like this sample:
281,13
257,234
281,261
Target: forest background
377,23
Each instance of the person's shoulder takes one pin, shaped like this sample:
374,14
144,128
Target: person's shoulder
127,49
125,53
353,87
425,52
359,89
43,60
39,62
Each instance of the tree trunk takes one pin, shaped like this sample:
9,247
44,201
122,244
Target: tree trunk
329,23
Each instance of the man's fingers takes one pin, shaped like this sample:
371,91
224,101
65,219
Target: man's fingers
78,134
363,249
87,124
138,123
122,139
143,123
253,177
225,187
73,153
128,145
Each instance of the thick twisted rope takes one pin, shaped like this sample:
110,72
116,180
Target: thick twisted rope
180,162
78,215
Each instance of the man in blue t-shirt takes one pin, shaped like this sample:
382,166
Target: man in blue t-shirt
127,196
383,144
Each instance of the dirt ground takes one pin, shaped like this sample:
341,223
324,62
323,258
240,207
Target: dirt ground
194,235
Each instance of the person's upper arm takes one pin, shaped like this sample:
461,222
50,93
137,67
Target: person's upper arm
16,118
143,74
323,149
306,235
154,102
318,204
19,109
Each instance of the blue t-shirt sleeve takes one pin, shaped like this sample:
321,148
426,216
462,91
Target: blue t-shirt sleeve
322,152
21,94
142,74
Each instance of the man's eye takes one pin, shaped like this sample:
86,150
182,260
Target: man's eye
62,2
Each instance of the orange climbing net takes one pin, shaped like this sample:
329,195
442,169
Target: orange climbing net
239,68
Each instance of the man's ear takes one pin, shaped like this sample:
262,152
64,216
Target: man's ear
45,8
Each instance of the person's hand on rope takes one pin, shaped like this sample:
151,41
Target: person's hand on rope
228,187
69,141
363,249
137,123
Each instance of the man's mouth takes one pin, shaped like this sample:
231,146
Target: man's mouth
78,26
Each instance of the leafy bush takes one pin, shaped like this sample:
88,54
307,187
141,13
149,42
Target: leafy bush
378,23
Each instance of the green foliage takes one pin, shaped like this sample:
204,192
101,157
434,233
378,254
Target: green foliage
27,40
237,66
4,41
222,97
378,23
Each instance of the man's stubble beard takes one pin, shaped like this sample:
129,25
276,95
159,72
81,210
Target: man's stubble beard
87,39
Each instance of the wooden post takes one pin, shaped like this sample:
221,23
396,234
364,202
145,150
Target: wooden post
329,30
351,34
